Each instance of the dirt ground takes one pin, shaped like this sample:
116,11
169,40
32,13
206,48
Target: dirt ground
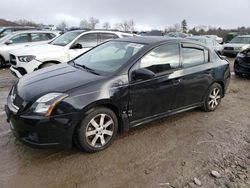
175,152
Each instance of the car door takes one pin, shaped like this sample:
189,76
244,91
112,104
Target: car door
155,96
197,75
84,42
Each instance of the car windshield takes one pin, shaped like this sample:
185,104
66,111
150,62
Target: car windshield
66,38
241,40
108,57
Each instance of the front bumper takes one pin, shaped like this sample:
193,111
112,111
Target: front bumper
241,67
43,132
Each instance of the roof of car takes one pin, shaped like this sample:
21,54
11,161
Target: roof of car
153,40
243,36
34,31
198,37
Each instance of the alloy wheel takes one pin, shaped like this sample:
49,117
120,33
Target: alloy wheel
214,98
99,130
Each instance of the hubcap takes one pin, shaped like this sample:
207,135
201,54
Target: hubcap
100,130
214,98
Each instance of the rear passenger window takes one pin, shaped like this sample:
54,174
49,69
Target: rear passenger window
194,55
162,59
106,36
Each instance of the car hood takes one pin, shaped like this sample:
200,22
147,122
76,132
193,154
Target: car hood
37,49
235,45
59,78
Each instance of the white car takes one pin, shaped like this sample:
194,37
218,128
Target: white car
215,37
61,50
236,45
22,39
210,42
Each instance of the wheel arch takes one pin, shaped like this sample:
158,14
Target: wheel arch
52,61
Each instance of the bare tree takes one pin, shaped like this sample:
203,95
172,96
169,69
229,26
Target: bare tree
126,26
24,22
63,25
93,22
90,23
84,23
106,25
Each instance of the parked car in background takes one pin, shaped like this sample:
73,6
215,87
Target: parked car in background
210,42
236,45
242,63
61,50
215,37
118,85
22,39
177,35
7,30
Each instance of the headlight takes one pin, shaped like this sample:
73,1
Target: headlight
46,104
26,59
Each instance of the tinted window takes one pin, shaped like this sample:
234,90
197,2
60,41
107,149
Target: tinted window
106,36
35,37
194,55
21,38
162,58
88,40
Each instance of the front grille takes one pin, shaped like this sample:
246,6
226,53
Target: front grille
12,59
228,48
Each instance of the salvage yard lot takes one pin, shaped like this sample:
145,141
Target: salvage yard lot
166,153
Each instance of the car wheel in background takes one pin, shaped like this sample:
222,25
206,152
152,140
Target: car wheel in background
213,97
48,64
2,62
97,131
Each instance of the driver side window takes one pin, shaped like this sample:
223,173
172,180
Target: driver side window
162,59
21,38
88,40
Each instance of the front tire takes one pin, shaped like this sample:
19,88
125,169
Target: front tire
97,131
213,98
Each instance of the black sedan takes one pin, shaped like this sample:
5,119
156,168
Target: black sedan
242,63
115,86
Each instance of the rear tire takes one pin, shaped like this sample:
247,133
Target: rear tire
2,62
97,130
213,98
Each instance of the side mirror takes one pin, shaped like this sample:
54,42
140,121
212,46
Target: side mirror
76,46
8,42
142,74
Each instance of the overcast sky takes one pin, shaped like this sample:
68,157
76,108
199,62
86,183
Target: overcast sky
147,14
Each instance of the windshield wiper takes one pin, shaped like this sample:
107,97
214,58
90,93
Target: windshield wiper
86,68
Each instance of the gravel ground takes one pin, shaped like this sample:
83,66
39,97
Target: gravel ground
191,149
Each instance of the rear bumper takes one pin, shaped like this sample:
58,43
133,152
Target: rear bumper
229,52
43,132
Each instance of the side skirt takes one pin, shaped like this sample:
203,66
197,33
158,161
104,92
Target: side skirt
162,115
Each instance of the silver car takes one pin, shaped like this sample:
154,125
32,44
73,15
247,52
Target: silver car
22,39
236,45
